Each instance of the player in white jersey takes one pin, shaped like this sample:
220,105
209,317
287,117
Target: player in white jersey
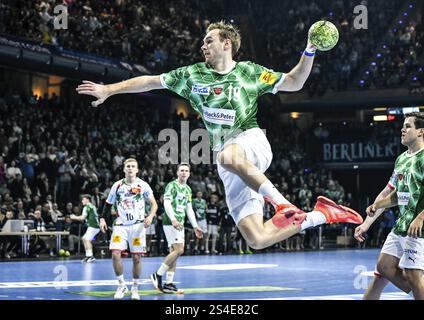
129,195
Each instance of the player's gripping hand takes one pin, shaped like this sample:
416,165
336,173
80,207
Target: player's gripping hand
93,89
177,225
371,210
199,233
310,47
360,231
103,225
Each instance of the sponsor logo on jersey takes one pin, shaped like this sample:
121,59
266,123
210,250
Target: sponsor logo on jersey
403,198
218,90
136,242
135,190
219,116
116,239
410,251
204,91
268,77
413,260
180,196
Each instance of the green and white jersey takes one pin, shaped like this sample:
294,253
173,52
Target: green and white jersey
180,197
200,206
408,179
226,102
130,200
90,214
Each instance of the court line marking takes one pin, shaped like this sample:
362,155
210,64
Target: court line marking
62,284
359,296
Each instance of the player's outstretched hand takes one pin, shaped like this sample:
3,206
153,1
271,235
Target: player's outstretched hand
103,225
93,89
310,47
199,233
359,232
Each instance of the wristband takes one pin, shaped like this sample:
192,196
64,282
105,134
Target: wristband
309,54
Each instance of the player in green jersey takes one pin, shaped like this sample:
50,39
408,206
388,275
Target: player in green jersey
225,92
89,214
401,260
178,204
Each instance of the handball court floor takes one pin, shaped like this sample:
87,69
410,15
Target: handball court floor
314,275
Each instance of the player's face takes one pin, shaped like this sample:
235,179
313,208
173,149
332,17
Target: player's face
84,201
410,133
131,169
213,47
183,173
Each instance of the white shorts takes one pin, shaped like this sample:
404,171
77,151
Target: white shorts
243,201
133,236
151,230
203,224
173,235
213,229
91,233
410,251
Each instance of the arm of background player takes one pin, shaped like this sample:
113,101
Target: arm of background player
387,202
102,215
170,213
192,218
363,228
102,92
80,218
373,216
152,213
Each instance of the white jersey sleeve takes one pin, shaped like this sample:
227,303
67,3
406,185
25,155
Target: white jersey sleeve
112,193
148,192
393,180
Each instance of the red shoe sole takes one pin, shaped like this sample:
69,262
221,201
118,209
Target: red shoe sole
330,202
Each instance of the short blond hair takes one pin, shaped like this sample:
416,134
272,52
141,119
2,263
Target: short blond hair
227,31
130,160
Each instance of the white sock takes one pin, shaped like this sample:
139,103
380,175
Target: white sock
169,277
121,280
89,253
313,219
135,282
163,268
267,189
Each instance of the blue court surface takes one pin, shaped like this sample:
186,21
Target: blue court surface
315,275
